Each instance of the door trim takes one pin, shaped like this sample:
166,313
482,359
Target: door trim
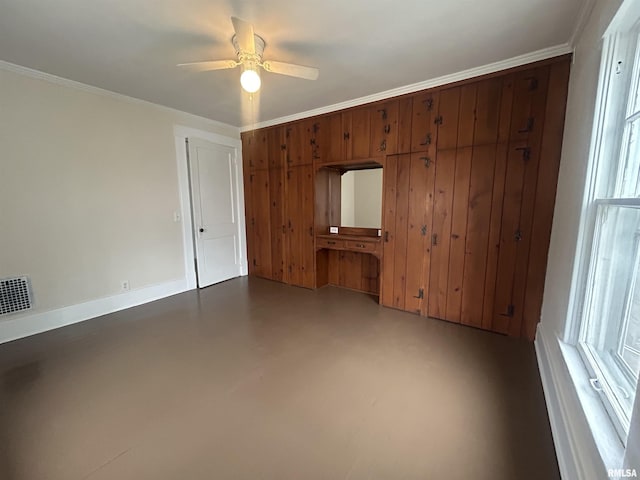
181,134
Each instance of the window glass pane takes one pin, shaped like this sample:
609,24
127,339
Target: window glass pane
630,165
613,310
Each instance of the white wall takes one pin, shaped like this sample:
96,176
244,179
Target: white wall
368,198
361,198
88,188
348,199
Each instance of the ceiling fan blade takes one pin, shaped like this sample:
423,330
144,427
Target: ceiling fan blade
300,71
244,35
209,65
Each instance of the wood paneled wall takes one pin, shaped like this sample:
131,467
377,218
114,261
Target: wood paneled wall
470,173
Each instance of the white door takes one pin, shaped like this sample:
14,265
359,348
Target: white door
214,198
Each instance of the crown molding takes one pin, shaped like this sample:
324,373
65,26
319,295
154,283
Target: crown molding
65,82
415,87
581,22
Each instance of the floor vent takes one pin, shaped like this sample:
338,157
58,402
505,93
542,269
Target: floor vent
15,295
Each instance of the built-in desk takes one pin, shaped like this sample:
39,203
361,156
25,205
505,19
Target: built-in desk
350,243
349,261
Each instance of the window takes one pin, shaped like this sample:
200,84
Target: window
609,321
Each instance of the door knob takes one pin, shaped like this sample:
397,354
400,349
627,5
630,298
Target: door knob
201,230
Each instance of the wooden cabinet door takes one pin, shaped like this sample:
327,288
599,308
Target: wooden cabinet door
424,110
277,224
357,126
333,139
300,242
259,224
275,140
384,129
408,205
255,149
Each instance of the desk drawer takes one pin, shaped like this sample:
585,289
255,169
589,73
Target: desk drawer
359,245
330,243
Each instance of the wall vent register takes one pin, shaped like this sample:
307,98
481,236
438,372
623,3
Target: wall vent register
15,295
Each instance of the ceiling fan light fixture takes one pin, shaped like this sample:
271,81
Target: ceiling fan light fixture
250,78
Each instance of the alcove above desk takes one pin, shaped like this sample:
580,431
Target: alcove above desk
349,200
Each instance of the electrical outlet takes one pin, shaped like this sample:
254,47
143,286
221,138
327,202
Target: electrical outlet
124,285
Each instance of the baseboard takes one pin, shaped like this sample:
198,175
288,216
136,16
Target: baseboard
559,427
19,326
579,457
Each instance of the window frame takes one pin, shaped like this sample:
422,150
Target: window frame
620,47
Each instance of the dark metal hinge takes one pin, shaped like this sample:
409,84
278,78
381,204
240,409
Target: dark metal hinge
254,262
387,129
533,83
383,111
346,135
429,104
253,221
438,120
251,178
423,230
386,236
427,161
316,127
427,140
526,152
517,236
420,294
283,146
434,239
288,132
383,145
529,126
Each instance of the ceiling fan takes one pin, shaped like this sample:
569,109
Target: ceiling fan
249,49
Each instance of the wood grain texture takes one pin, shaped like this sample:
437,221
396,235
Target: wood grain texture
545,195
401,226
476,251
390,177
441,233
458,234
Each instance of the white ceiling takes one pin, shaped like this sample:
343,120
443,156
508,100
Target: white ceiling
361,46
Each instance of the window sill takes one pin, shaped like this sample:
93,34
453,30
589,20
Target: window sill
587,444
604,433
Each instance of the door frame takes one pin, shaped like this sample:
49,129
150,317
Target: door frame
181,134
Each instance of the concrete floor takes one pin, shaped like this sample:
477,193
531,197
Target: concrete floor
252,379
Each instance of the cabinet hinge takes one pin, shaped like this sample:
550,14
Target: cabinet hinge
529,127
387,129
287,132
251,178
253,221
383,145
427,161
254,263
517,236
526,152
427,140
383,111
423,230
434,239
386,236
428,103
316,127
420,294
511,310
283,146
533,83
346,135
438,120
